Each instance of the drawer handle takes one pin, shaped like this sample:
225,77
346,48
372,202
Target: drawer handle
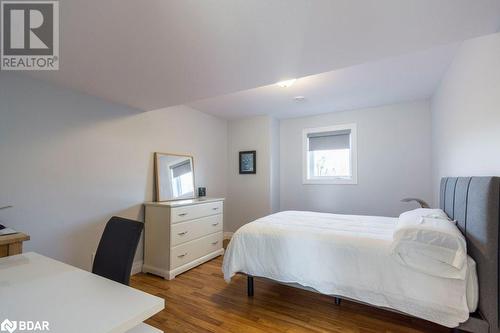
215,224
182,255
215,208
182,214
182,233
215,243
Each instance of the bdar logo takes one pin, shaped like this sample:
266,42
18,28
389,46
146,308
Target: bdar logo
24,326
30,35
8,326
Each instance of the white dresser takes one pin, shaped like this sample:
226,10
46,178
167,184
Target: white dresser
180,235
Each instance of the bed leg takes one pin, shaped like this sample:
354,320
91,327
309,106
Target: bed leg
337,300
250,286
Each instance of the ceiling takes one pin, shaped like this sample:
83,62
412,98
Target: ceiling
159,53
393,80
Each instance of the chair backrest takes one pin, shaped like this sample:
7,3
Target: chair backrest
116,250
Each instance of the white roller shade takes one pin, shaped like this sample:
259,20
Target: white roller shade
329,140
181,168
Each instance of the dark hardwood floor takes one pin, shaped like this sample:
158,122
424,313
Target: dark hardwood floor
201,301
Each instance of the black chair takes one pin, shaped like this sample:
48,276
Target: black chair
116,250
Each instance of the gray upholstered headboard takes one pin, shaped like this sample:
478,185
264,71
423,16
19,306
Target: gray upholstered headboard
475,203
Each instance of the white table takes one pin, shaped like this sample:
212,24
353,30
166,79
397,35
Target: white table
37,288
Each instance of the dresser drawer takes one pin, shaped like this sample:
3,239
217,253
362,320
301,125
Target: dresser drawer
187,252
186,231
185,213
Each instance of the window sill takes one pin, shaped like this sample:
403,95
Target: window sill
332,181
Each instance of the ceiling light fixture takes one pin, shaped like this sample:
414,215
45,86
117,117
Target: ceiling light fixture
299,99
286,83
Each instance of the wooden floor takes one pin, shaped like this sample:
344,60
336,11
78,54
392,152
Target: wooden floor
201,301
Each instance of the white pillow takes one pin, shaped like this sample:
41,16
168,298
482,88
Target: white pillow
413,216
426,240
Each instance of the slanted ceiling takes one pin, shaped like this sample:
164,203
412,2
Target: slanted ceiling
392,80
159,53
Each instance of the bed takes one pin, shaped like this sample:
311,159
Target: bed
348,256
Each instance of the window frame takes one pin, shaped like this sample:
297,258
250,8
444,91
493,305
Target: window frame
353,180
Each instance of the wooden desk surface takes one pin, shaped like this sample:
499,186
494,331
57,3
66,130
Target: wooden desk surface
13,238
12,244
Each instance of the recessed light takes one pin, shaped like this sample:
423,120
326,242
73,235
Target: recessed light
286,83
299,99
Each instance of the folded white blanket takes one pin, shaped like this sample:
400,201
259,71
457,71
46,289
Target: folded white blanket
426,240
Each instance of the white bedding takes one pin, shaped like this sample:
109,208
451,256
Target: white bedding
348,256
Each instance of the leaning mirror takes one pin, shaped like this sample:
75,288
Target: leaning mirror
174,177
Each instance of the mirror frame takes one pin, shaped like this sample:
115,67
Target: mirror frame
157,176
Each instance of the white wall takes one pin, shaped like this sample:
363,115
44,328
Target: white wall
70,161
275,165
251,196
394,144
466,113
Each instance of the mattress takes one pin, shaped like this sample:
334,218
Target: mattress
347,256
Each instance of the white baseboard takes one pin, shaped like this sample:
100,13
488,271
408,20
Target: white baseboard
155,270
228,235
136,267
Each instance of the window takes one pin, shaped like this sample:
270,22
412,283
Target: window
182,178
329,155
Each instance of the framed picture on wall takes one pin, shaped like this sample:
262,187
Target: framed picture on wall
248,162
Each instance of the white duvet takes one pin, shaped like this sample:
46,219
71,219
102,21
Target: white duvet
348,256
